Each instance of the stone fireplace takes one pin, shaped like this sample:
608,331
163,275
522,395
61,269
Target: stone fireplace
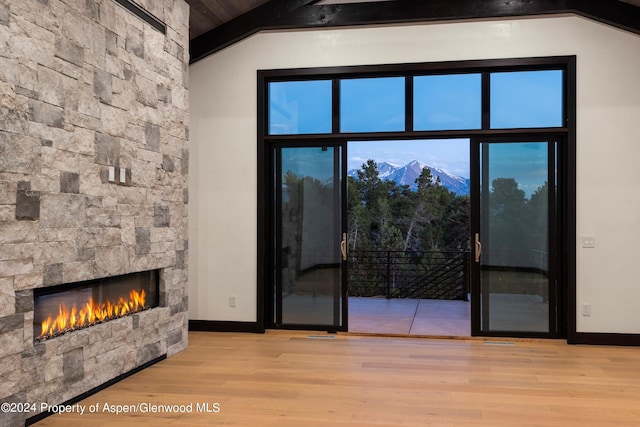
93,187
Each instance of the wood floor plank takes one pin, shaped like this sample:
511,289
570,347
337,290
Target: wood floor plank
288,379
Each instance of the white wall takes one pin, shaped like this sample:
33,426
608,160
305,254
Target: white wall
223,140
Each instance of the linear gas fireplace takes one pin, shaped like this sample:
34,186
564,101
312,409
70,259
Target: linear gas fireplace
65,308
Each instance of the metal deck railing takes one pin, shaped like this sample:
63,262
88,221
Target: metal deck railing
409,274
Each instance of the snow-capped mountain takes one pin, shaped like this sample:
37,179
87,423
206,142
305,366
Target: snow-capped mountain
407,175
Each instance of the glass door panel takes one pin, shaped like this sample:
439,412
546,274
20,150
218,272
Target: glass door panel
309,273
515,201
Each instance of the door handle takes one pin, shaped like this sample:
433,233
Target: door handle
478,247
343,246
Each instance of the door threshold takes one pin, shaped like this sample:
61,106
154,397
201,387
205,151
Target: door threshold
487,340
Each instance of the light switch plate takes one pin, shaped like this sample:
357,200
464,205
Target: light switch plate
588,242
123,175
112,173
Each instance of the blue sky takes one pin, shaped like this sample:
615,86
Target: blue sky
452,155
372,105
526,162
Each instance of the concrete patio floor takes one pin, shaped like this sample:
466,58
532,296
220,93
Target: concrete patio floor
409,317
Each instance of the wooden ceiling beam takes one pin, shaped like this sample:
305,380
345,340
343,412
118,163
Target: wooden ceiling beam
618,14
297,14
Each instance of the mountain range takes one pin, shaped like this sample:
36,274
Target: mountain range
407,175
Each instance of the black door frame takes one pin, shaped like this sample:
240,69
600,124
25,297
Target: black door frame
568,131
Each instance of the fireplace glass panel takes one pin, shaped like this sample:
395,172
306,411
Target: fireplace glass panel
78,305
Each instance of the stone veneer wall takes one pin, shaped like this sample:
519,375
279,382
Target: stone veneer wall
84,85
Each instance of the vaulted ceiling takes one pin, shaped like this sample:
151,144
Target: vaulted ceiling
216,24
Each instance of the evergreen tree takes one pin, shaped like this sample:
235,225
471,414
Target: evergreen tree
431,218
384,216
456,224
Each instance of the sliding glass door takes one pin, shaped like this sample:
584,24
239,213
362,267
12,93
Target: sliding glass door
514,237
309,239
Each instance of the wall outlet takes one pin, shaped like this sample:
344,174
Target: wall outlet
232,301
586,309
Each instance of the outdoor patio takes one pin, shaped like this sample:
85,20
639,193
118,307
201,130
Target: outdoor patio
409,316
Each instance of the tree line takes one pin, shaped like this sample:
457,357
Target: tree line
383,215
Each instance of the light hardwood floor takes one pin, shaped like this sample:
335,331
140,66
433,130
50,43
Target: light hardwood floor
306,379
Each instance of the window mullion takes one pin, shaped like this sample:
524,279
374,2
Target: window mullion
486,100
408,104
335,106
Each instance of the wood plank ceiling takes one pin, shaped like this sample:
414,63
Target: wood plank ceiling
216,24
209,14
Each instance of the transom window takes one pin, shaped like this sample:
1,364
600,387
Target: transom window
300,107
372,104
415,100
447,102
527,99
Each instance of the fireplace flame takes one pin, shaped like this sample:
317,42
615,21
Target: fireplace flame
91,313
